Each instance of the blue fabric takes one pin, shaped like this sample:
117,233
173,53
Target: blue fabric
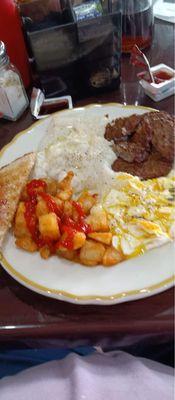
14,361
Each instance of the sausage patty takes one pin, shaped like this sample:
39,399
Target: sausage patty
163,133
138,147
148,149
121,128
154,167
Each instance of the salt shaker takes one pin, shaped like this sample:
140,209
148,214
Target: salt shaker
13,97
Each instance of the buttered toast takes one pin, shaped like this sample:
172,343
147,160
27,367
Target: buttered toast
13,178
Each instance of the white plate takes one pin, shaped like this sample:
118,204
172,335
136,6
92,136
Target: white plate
133,279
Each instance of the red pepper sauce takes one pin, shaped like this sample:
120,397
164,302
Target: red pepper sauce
66,224
51,204
78,208
81,225
68,242
162,76
70,227
34,185
30,210
31,220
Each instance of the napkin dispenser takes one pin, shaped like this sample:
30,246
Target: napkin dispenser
77,57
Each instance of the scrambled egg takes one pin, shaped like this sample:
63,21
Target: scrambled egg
141,213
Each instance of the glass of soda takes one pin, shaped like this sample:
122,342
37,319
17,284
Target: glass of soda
138,22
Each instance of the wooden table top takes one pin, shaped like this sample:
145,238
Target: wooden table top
27,314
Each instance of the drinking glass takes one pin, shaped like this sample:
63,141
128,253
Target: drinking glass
130,89
137,22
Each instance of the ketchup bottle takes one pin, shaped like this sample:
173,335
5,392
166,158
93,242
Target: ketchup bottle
11,34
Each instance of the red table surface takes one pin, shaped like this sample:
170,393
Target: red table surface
24,314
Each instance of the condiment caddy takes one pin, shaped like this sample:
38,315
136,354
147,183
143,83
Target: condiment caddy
158,82
163,87
41,107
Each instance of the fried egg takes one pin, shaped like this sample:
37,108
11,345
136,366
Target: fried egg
141,214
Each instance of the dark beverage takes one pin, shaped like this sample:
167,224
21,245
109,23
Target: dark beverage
137,28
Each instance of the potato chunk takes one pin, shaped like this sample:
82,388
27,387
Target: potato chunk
41,208
20,227
65,191
92,253
77,242
112,257
26,243
65,194
98,219
24,194
87,201
45,252
51,186
66,182
68,208
48,226
68,254
102,237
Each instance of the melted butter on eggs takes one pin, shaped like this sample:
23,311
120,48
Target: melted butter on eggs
141,213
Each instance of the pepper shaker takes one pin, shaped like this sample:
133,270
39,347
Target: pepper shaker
13,97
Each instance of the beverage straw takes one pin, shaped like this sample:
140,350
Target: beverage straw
139,59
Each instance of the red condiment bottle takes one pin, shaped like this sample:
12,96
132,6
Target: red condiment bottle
11,34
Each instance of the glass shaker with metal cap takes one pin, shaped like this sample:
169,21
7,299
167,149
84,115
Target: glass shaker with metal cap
13,97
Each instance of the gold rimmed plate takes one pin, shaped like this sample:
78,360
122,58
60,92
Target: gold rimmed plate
133,279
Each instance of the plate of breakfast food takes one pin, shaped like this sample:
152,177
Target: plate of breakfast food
87,211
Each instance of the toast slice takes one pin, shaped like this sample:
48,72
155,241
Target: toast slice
13,178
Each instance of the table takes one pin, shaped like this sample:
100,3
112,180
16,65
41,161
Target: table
24,314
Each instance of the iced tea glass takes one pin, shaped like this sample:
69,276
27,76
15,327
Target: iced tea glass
138,22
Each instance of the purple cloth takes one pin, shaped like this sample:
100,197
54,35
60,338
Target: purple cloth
111,376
